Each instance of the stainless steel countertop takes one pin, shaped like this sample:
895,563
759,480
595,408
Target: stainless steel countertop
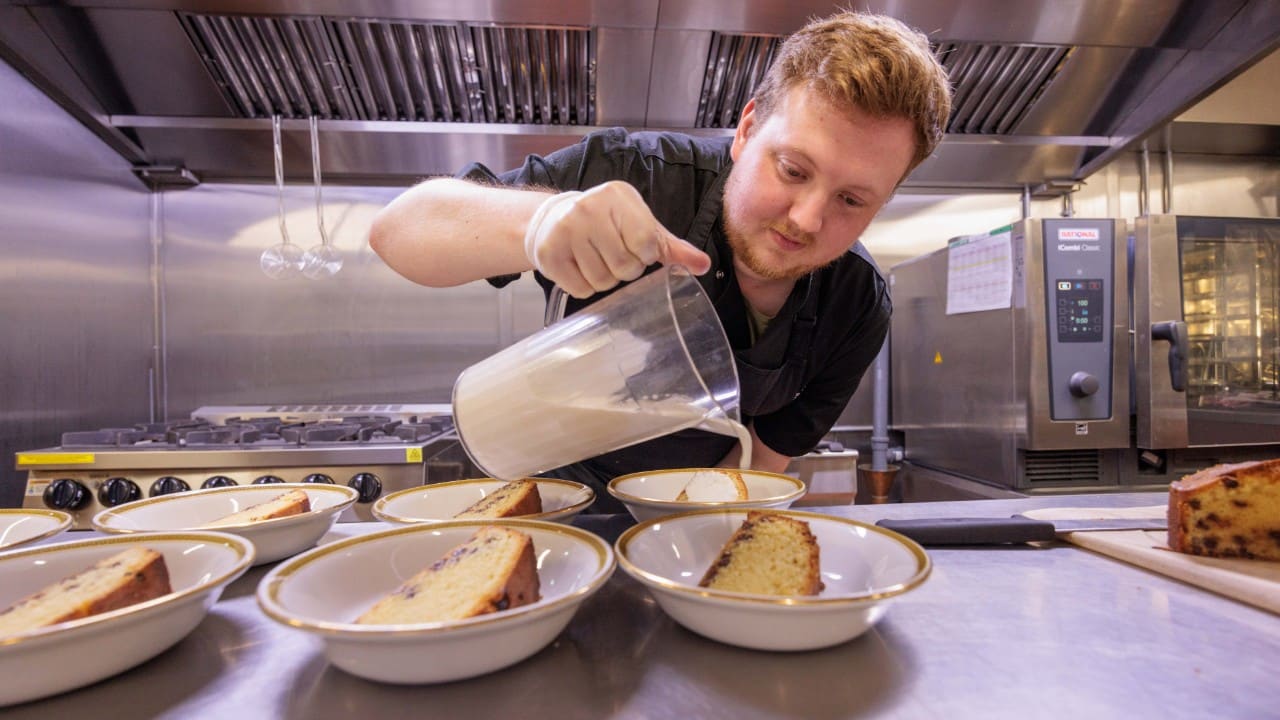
1026,632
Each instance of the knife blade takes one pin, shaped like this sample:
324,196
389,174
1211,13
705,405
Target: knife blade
1003,531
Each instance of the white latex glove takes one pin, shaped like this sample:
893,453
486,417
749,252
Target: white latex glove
588,242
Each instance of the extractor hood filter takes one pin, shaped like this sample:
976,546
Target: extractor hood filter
353,69
994,84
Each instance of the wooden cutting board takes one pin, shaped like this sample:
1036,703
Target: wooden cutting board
1256,582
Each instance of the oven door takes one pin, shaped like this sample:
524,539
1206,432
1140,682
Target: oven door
1207,331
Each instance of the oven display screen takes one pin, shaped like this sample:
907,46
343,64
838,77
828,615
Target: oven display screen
1079,310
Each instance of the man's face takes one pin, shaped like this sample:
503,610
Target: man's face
807,181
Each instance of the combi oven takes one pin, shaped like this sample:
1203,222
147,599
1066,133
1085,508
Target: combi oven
1064,354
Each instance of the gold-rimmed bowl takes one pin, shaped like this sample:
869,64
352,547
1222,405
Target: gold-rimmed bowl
46,661
273,539
321,592
652,494
562,500
19,526
864,568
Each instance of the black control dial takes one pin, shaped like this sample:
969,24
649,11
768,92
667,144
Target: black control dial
318,478
118,491
66,494
168,485
1082,384
368,485
218,481
267,480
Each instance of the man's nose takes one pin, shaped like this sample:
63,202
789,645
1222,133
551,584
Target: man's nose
807,211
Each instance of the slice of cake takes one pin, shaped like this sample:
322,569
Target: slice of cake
714,486
294,502
769,554
519,497
494,570
1227,511
133,576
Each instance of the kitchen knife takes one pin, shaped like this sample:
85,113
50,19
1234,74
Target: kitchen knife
1001,530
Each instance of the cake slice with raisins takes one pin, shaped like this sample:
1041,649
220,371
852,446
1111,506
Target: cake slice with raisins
493,570
518,497
769,554
1227,511
123,579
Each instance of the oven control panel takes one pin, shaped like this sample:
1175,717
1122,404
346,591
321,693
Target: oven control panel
1079,281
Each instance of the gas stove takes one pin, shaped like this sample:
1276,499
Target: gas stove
375,448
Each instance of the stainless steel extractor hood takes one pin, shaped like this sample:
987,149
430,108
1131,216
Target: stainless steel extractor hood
1046,91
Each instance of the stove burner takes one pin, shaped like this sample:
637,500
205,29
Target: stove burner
106,437
254,432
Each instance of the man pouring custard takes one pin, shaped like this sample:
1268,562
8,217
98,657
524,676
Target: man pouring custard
769,219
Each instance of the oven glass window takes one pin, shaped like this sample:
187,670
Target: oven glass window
1231,304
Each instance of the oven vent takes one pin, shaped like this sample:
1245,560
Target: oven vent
995,84
354,69
1063,466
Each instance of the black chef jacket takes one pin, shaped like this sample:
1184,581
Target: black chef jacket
798,376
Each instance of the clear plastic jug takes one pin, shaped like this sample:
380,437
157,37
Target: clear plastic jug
646,361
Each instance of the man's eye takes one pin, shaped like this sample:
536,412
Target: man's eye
851,201
790,170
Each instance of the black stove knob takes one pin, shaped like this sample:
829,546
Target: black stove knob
267,480
66,494
218,481
368,485
318,478
118,491
168,485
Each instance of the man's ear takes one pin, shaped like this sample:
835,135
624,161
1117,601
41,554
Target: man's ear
745,125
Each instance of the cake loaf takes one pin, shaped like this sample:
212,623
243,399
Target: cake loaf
518,497
714,486
493,570
294,502
1227,511
126,578
769,554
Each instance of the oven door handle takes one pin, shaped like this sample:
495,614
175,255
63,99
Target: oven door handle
1174,331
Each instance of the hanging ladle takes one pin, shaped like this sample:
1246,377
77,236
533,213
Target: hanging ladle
283,260
322,260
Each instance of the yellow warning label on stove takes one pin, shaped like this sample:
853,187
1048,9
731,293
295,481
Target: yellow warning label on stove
55,459
413,455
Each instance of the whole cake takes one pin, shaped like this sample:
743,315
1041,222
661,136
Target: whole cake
126,578
769,554
518,497
294,502
493,570
714,486
1228,511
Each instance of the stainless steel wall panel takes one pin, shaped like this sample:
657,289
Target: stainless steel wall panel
234,336
75,268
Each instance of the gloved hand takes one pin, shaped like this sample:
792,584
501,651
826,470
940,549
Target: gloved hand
588,242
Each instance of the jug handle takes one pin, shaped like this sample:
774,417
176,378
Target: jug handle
556,302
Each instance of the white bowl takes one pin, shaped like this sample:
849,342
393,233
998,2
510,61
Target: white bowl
22,525
652,494
561,500
323,591
863,567
50,660
274,539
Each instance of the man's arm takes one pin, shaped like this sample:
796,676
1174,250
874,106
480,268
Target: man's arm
763,457
447,232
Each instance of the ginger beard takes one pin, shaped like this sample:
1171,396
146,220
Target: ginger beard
756,258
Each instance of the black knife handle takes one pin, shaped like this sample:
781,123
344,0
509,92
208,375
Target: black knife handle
971,531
